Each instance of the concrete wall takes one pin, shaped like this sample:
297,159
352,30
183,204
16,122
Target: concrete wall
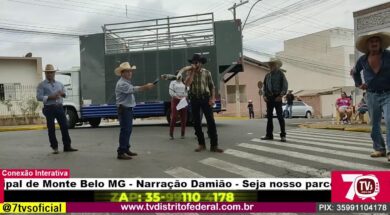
27,71
328,105
19,77
320,60
313,101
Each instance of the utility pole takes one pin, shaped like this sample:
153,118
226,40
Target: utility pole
237,81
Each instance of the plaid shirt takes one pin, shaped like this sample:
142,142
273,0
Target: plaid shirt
202,84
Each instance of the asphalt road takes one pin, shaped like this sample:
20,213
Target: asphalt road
307,153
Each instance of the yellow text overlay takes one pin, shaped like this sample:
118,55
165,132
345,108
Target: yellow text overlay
33,207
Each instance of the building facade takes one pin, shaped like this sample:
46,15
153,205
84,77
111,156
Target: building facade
254,71
19,79
320,60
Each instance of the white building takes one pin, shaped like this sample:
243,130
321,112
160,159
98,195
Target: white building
19,79
320,60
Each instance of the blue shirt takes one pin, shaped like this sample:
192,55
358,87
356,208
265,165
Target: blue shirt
375,82
46,89
124,92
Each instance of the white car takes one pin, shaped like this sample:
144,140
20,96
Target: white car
299,109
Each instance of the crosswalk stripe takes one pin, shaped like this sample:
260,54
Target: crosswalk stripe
350,139
366,138
330,151
234,168
328,140
280,163
180,172
337,132
333,145
305,156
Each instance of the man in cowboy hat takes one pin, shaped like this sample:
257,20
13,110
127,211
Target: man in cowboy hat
51,92
125,101
202,97
274,88
375,64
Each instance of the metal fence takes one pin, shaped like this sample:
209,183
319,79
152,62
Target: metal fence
159,34
18,100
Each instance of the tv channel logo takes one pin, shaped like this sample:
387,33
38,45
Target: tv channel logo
363,186
360,186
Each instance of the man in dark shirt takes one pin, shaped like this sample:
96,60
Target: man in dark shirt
375,64
275,87
290,99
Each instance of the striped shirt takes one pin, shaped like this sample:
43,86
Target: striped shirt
202,84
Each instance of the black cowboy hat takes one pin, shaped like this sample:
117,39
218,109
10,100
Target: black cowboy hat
197,58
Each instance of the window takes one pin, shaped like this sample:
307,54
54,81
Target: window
231,93
298,104
10,91
65,79
2,95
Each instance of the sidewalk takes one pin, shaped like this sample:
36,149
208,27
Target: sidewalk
344,127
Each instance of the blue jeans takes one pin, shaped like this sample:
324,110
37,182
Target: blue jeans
51,113
376,104
125,116
289,108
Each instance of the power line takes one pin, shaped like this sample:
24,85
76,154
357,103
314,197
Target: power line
323,68
293,8
37,32
292,14
75,8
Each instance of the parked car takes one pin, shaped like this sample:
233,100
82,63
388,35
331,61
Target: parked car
299,109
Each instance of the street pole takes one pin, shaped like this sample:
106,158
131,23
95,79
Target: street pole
237,81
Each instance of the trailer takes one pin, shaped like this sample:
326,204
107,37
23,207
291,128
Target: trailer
156,47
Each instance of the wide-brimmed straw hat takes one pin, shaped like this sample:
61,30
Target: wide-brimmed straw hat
275,61
361,42
49,68
124,66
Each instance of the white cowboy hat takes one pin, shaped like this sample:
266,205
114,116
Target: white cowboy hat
49,68
361,42
124,66
276,61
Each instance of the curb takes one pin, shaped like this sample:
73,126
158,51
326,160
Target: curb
340,128
22,128
231,118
